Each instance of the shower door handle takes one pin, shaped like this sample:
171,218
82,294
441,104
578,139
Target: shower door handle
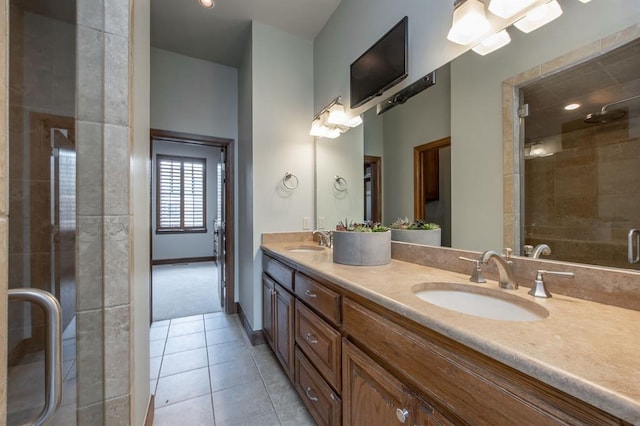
53,349
633,241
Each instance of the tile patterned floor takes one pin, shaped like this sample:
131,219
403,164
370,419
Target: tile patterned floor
204,371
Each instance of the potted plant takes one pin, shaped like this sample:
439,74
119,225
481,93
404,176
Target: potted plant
418,232
361,244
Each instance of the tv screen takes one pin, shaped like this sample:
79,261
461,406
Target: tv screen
381,67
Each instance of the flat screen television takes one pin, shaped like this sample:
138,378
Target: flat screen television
381,67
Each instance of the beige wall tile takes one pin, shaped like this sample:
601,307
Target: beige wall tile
92,415
90,75
90,353
89,261
116,356
116,169
116,80
89,169
116,260
117,17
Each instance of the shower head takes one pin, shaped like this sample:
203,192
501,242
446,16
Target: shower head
607,116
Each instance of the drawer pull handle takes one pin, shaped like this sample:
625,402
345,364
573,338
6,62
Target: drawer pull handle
310,294
312,398
311,340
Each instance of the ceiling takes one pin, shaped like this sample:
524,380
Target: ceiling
608,78
219,34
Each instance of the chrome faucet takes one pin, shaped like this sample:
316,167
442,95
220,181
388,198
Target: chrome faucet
507,280
536,252
325,238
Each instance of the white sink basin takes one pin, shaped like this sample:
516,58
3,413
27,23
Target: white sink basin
480,302
305,249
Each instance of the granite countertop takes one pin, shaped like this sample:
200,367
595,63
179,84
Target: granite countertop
586,349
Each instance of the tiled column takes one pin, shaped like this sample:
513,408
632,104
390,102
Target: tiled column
103,263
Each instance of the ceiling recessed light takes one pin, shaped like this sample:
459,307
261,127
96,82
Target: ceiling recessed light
207,3
571,107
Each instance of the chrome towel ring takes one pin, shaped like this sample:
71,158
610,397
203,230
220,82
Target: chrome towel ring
340,183
290,181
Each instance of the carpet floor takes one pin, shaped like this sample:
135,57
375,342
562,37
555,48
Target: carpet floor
184,289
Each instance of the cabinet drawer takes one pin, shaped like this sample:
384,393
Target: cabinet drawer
320,343
324,301
278,271
468,384
323,404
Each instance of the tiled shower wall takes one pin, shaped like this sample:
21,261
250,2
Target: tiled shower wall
103,261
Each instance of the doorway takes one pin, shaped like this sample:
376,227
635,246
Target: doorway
432,185
191,215
373,188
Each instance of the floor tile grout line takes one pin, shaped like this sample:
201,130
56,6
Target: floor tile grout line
206,348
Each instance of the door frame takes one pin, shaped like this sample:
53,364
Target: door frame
212,141
419,172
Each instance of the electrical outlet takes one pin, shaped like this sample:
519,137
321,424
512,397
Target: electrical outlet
321,222
305,223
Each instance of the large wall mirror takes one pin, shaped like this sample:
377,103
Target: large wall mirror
488,204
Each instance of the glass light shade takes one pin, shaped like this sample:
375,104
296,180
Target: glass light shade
316,128
539,16
469,22
493,42
337,114
207,3
353,121
507,8
585,1
332,133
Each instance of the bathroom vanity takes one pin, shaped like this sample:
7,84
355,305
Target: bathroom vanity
362,348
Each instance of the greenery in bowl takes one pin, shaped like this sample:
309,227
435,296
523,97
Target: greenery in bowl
368,226
419,225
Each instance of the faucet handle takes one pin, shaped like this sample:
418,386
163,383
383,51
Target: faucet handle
539,289
476,275
506,253
528,249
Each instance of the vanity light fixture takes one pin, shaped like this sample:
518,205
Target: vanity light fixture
585,1
469,22
508,8
332,120
209,4
539,16
571,107
493,42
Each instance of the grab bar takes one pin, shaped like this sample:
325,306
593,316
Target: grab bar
630,243
53,351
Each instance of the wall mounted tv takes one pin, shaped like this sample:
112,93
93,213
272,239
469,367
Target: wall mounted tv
381,67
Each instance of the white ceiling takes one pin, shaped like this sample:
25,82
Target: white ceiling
219,34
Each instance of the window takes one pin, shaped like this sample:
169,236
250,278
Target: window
181,194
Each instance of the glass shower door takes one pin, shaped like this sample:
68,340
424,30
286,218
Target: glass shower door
42,201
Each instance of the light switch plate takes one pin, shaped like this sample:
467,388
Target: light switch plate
305,223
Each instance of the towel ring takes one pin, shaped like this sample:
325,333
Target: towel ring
288,176
339,183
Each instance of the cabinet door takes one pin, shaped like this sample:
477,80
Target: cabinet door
370,395
268,295
284,328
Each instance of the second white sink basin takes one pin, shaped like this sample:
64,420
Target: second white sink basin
480,302
305,249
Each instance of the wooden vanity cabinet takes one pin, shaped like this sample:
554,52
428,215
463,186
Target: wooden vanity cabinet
278,311
321,400
465,385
